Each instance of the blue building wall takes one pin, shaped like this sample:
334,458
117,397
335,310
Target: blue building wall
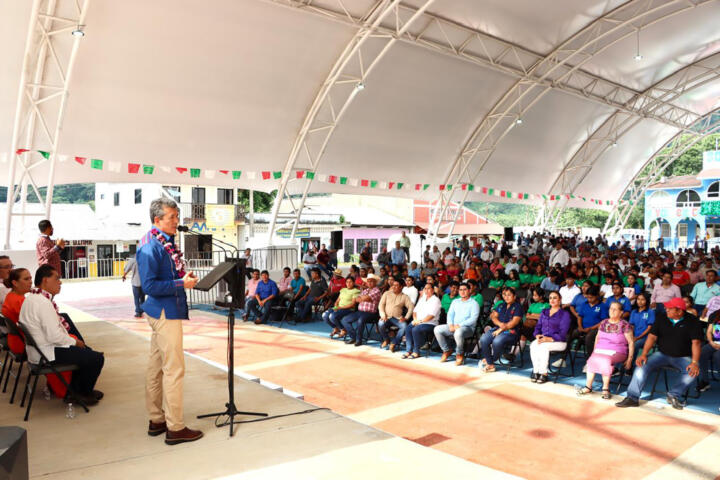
698,226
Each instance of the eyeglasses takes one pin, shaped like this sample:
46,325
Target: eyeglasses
7,267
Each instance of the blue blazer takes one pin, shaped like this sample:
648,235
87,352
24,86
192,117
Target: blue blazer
160,282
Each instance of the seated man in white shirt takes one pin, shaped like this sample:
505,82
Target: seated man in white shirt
569,291
50,331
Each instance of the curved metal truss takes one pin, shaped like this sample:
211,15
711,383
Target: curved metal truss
42,97
652,170
607,136
567,58
344,82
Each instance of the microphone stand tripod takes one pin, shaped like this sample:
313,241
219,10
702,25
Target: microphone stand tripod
230,409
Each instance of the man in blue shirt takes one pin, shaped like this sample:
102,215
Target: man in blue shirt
461,320
619,297
702,292
505,317
258,307
164,281
397,255
589,316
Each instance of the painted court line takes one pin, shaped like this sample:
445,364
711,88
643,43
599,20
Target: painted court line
698,461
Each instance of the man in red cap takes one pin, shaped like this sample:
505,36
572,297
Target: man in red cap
678,336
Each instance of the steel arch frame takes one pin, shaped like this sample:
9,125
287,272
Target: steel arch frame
45,32
667,154
345,79
697,74
617,24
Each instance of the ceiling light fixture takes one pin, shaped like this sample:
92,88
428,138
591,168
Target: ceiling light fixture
78,32
518,121
360,86
638,56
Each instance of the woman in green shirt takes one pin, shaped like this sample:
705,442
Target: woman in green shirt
344,304
497,281
538,304
539,275
526,277
513,280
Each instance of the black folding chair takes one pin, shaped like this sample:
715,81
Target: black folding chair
508,358
19,358
44,367
4,348
664,371
565,356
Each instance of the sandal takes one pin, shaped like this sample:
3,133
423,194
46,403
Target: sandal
489,368
579,391
606,395
415,355
407,355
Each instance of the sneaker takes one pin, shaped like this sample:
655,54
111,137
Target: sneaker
627,402
676,403
703,386
559,363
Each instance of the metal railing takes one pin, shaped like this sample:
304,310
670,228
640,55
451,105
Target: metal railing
197,211
82,268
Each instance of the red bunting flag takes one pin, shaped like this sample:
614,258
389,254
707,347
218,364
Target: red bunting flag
567,197
181,169
418,186
520,196
266,175
21,150
80,160
442,187
332,178
391,184
299,174
364,183
133,167
224,172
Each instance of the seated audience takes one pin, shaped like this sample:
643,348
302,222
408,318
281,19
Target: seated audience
344,305
410,289
550,333
710,352
618,296
395,308
613,344
689,306
641,319
19,282
664,292
461,321
52,334
678,336
367,311
266,292
314,294
506,317
589,316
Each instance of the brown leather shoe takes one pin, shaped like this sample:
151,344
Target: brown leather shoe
459,359
445,356
155,429
393,347
258,321
181,436
384,344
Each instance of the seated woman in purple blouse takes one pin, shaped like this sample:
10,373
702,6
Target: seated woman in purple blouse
615,343
550,336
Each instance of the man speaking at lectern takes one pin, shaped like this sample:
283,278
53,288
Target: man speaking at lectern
164,280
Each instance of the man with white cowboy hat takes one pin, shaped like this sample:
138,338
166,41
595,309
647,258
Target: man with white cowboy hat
367,311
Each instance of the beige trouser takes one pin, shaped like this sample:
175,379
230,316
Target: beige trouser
166,369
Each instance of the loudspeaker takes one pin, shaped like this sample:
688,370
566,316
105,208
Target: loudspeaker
509,235
336,240
13,453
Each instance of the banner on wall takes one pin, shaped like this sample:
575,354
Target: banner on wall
219,216
287,232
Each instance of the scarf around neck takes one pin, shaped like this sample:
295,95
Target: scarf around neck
175,254
61,319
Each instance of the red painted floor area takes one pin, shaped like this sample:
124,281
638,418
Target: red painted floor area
542,435
531,433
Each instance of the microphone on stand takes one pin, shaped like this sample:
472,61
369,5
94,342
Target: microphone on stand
217,242
184,229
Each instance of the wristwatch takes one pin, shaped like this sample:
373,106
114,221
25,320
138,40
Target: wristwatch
694,361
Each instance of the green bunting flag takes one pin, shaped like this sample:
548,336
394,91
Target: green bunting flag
96,163
236,174
194,172
343,180
277,175
425,186
373,183
400,185
44,154
148,169
309,175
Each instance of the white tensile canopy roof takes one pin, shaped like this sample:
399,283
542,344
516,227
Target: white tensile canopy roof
227,85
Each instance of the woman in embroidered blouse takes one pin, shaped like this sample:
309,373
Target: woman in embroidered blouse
614,344
550,336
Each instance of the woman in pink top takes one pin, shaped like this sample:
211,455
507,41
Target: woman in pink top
664,292
614,344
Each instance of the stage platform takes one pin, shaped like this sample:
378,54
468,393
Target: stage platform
390,417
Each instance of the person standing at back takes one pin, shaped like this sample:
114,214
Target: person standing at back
164,280
46,249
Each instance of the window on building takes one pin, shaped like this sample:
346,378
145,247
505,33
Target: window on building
138,195
116,199
173,191
373,244
660,199
102,196
713,190
383,243
225,196
687,198
198,195
665,230
682,230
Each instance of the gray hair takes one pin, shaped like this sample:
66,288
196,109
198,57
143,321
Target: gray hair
157,207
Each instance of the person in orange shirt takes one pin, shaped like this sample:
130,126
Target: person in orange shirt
20,282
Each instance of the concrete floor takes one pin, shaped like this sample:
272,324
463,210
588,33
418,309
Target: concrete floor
111,441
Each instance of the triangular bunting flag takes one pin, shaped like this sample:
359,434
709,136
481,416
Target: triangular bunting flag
236,174
373,183
343,180
442,187
266,175
390,185
277,175
418,186
96,163
224,172
114,166
62,158
20,151
250,175
148,169
310,175
165,169
354,182
400,185
80,160
181,169
491,191
332,179
299,174
194,173
364,183
44,154
426,186
210,174
133,167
